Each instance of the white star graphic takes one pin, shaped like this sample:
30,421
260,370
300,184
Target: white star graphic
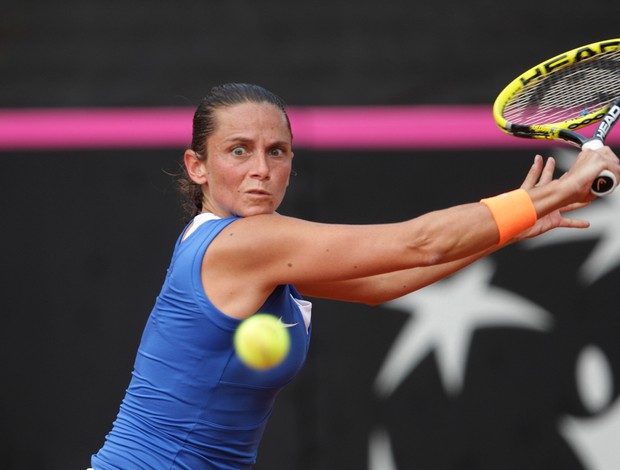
380,456
444,317
604,226
595,438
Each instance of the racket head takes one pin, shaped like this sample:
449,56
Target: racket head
563,94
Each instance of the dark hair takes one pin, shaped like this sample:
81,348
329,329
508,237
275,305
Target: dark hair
220,96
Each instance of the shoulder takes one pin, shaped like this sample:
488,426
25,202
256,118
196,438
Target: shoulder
262,227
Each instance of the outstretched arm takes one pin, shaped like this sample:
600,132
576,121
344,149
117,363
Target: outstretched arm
382,288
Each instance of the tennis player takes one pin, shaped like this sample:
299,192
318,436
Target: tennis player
191,403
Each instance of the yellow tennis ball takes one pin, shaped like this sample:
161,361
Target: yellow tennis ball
262,341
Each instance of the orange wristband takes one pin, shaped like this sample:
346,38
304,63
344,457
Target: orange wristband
513,213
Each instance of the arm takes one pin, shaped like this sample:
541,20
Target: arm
253,255
374,290
382,288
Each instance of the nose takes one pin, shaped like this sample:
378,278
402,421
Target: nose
260,166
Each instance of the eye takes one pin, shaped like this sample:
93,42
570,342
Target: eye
238,151
276,152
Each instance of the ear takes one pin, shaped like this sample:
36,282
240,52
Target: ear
195,167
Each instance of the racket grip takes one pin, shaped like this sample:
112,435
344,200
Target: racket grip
593,144
606,181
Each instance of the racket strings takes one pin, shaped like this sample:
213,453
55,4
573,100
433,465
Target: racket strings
582,88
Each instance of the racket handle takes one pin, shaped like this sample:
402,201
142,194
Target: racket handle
606,181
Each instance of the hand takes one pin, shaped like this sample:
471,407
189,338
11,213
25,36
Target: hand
539,175
587,167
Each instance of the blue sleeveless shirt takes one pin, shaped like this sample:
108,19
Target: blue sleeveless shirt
191,404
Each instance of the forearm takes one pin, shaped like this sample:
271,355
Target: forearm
440,243
449,235
374,290
511,213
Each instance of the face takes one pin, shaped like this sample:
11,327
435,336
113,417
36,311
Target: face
248,162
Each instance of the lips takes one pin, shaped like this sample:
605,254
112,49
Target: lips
258,192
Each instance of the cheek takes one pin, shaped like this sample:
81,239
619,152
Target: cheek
283,171
287,177
223,177
218,185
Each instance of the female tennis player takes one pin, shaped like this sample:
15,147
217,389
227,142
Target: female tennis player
191,403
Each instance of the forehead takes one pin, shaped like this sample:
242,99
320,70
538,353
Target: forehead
251,117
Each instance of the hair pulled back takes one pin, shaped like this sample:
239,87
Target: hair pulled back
204,123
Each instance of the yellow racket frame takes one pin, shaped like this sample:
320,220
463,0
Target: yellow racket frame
552,130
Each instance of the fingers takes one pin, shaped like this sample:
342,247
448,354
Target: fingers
565,222
548,170
591,163
532,176
539,174
574,207
614,162
605,157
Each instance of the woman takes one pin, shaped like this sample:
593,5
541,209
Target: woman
191,403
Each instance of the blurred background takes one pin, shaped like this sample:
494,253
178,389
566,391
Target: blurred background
511,364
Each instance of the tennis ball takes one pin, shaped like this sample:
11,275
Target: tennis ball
262,341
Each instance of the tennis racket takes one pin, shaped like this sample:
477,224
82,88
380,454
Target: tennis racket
563,94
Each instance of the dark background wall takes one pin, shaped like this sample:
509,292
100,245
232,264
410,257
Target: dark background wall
140,52
87,234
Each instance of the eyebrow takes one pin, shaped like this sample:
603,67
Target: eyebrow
281,143
237,139
241,139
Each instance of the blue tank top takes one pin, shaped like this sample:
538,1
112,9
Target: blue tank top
191,404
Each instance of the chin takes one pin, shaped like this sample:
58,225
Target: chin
255,211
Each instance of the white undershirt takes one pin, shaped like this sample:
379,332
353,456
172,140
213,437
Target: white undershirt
198,221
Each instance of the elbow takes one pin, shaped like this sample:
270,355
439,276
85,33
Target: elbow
435,258
388,295
431,257
431,251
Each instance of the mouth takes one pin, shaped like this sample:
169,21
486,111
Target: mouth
259,193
